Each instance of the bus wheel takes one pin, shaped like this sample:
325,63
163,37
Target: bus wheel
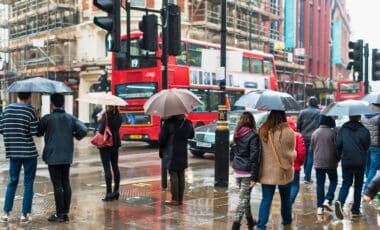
197,153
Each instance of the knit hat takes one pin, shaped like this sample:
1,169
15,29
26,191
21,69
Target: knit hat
326,120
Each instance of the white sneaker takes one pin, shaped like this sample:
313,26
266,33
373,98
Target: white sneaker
327,206
319,211
4,218
25,218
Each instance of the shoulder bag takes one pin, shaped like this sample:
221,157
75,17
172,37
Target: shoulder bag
105,139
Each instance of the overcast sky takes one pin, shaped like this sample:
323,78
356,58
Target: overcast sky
365,24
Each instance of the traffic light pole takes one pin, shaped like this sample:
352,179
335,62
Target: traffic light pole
222,132
366,69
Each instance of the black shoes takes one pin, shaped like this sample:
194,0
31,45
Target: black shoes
58,218
111,196
115,195
251,222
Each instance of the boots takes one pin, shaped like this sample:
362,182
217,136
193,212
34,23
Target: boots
235,226
251,222
108,197
115,195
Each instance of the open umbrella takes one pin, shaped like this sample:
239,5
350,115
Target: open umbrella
347,108
39,85
269,100
373,98
171,102
102,98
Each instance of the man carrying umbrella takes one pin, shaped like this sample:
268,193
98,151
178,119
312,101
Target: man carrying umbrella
307,123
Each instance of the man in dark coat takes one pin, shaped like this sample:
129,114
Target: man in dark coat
59,129
353,141
173,138
307,123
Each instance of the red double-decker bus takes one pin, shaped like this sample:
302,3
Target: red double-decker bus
349,89
139,78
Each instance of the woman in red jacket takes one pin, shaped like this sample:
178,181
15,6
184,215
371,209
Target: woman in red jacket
298,162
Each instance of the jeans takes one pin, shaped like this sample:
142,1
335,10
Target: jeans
348,177
110,158
374,154
321,177
307,168
60,177
30,167
295,187
266,203
177,184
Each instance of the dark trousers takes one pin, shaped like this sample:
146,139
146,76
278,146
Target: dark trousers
295,187
60,177
321,178
110,158
348,179
177,184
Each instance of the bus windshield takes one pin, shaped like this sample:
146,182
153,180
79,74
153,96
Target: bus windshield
136,90
139,58
349,88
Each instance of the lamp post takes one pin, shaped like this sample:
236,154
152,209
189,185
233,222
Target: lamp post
222,132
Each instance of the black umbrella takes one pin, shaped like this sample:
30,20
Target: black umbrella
39,85
373,98
268,100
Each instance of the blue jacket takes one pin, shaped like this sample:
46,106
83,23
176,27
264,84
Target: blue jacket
59,129
353,141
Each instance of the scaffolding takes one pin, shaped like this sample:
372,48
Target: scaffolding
264,29
41,39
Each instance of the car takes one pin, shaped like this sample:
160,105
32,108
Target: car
204,137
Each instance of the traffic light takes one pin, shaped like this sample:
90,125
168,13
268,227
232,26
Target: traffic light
174,30
104,82
111,22
375,65
356,56
148,26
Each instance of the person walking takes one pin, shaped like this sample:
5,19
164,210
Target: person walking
372,123
110,155
276,168
95,116
323,146
353,141
307,123
18,125
372,189
246,166
298,161
174,133
59,129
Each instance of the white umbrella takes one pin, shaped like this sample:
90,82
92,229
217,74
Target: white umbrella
102,98
171,102
39,85
347,108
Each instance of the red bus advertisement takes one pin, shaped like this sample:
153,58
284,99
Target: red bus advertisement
139,78
349,89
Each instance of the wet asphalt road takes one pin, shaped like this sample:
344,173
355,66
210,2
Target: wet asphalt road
140,205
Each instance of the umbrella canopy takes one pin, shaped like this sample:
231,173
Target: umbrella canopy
102,98
269,100
373,98
171,102
347,108
39,85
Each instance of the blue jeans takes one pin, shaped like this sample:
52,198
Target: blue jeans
266,203
348,178
307,168
30,167
374,154
295,187
321,178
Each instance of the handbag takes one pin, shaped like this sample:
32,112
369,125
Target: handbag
103,140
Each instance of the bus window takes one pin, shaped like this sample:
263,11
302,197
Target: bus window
181,58
246,65
233,96
202,95
257,66
213,100
139,58
268,67
195,54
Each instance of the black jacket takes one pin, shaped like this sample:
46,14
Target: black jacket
172,141
59,129
114,123
352,142
307,122
247,154
373,187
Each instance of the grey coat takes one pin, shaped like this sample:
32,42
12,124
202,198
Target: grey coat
372,123
323,147
308,122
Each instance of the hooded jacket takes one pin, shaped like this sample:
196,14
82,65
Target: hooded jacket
300,146
308,120
248,152
353,141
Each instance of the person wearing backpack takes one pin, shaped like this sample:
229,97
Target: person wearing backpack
174,133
